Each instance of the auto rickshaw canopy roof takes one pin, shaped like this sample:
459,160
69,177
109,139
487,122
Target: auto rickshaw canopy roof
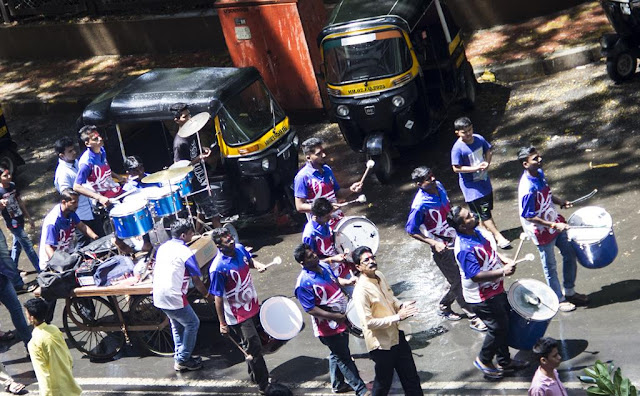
400,12
149,96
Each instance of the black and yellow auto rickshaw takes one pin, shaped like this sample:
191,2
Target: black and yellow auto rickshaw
392,69
256,152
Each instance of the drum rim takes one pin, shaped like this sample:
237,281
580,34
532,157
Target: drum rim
350,304
133,212
168,193
348,219
515,308
606,230
297,313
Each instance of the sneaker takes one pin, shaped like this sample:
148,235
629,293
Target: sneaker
578,299
566,306
344,388
189,365
505,244
449,315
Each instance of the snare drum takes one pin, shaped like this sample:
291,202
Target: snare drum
182,184
163,201
131,219
354,320
355,231
281,320
595,247
533,305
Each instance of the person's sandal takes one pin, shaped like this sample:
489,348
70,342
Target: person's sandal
477,324
489,372
449,315
7,336
13,387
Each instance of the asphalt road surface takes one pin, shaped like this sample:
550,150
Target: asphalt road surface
587,131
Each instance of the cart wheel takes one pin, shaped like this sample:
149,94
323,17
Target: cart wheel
143,312
93,312
470,87
621,67
384,165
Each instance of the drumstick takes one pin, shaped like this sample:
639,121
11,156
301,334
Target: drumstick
276,260
528,257
247,357
370,165
361,199
584,198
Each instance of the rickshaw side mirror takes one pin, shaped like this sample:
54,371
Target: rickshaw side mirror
213,145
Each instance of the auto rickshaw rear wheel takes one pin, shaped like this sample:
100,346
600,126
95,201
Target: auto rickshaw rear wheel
621,67
8,159
470,86
384,165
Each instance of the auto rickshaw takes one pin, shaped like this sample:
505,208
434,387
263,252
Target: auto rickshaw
9,156
255,151
392,69
622,49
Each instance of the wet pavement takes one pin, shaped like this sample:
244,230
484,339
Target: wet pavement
587,131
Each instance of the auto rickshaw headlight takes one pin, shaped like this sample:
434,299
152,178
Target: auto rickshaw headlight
265,164
398,101
342,111
295,141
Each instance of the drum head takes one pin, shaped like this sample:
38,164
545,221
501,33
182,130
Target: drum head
533,300
127,208
280,318
352,315
355,231
159,192
180,164
594,216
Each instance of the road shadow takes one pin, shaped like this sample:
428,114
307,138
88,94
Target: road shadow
421,339
623,291
313,368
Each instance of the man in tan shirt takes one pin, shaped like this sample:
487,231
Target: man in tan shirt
381,313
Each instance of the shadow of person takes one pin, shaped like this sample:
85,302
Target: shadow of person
421,339
313,368
624,291
572,348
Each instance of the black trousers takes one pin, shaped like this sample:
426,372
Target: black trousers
400,359
250,341
494,312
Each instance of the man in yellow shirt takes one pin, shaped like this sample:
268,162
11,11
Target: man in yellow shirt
50,355
381,313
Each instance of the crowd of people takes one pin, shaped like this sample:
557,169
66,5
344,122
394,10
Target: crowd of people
464,241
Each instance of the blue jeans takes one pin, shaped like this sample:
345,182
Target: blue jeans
22,241
184,325
11,269
9,299
341,368
549,265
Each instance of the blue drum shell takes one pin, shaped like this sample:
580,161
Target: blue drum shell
524,333
166,205
133,225
596,255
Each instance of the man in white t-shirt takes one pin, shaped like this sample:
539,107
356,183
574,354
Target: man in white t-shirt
175,264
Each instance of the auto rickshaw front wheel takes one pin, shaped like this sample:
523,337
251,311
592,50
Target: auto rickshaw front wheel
384,165
622,66
470,86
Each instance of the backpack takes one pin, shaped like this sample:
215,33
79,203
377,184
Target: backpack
113,270
58,279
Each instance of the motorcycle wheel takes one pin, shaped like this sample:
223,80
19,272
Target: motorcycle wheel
621,67
384,166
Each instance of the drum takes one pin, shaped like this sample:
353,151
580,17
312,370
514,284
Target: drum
131,219
594,242
353,320
533,305
355,231
182,184
280,321
163,201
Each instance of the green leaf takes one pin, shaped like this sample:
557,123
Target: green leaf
602,369
587,379
633,391
624,387
594,390
617,378
605,384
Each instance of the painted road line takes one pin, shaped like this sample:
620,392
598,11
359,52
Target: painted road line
310,385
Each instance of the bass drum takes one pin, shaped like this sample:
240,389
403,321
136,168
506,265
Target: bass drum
354,321
533,305
593,238
355,231
280,321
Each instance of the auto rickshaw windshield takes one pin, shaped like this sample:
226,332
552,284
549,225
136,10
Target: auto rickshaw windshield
246,116
366,56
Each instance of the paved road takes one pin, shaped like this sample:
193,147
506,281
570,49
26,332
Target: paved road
580,121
